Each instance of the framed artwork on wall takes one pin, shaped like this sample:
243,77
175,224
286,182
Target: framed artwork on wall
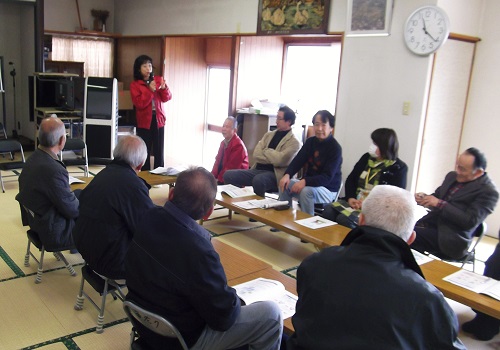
283,17
369,17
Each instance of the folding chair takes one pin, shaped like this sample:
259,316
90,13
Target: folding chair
103,286
35,239
3,136
470,257
152,321
80,148
10,146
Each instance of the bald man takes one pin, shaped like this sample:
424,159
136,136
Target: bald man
51,206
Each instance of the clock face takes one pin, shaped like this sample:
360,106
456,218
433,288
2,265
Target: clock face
426,30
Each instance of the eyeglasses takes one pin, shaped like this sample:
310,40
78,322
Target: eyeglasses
280,118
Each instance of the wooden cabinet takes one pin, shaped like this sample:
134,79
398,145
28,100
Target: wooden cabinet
64,67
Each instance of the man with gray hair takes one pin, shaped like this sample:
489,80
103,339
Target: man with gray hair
369,293
110,209
49,206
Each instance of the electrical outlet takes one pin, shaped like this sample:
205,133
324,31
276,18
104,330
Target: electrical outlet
406,108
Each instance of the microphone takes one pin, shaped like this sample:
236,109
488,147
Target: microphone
151,78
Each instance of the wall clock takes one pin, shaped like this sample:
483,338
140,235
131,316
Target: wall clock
426,29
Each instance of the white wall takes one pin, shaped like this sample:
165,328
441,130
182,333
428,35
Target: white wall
62,15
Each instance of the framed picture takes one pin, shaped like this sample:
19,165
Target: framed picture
282,17
369,17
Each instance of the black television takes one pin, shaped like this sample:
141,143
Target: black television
45,92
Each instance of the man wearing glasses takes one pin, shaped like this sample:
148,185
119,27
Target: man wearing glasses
272,155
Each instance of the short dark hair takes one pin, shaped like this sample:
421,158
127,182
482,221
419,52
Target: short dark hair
325,116
387,143
195,191
479,158
139,61
289,114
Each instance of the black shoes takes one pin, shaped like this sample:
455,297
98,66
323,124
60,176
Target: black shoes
482,327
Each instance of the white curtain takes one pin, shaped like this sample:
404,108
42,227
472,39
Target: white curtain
96,53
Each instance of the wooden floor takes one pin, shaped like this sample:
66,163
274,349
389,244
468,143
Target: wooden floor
42,315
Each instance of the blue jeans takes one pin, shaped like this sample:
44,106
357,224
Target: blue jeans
308,196
259,325
262,180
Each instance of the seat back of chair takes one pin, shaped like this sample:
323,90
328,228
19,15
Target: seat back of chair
74,145
7,146
152,321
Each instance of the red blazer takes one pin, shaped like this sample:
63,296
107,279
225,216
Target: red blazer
142,97
235,157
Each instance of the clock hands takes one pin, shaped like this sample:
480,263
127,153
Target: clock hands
426,32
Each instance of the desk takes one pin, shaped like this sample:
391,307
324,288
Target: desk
284,220
289,283
434,272
151,179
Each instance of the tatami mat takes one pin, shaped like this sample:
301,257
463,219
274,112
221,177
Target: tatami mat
117,336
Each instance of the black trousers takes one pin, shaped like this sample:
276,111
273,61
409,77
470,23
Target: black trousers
154,137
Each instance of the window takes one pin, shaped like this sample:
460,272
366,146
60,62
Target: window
310,78
96,53
217,105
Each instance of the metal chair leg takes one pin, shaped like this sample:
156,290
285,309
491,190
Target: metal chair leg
39,272
100,317
66,263
27,256
79,298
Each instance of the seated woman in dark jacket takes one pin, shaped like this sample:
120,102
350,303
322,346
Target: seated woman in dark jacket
380,166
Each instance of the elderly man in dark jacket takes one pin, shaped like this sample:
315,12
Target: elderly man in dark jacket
370,293
49,206
110,208
464,200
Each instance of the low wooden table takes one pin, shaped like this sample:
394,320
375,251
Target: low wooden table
155,179
237,263
151,179
434,272
284,220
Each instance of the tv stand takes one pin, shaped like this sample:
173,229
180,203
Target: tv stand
70,117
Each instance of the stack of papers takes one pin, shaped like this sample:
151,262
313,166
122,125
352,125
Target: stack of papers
260,203
74,180
315,222
235,192
421,258
261,289
475,282
168,171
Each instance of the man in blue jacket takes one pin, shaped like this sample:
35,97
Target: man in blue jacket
173,270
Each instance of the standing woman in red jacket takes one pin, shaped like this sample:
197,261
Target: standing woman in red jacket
148,93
